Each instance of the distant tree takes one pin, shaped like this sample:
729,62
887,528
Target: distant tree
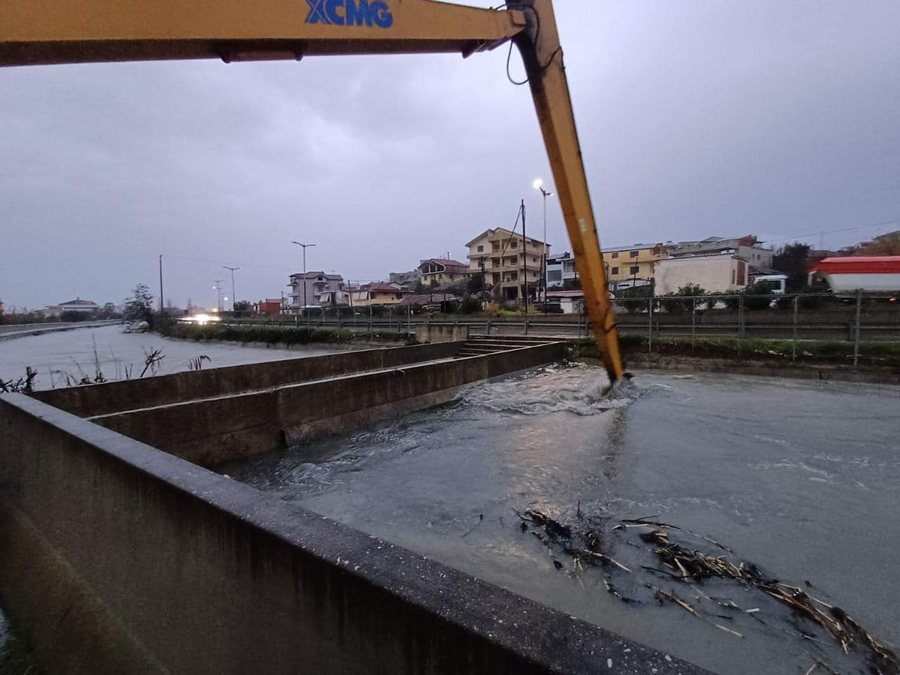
681,300
757,296
791,260
243,308
635,299
108,311
71,316
470,305
473,284
139,307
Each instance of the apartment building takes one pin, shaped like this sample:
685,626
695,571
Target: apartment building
511,265
748,248
628,266
561,271
311,288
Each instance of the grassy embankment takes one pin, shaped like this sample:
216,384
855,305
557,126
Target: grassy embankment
286,335
808,352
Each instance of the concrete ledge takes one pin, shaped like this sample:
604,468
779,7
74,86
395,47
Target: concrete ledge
226,428
800,371
103,399
441,332
199,574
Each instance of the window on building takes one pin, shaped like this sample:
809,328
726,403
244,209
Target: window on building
481,249
634,269
534,260
554,275
615,254
513,260
633,254
514,244
615,270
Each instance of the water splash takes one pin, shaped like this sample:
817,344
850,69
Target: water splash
552,389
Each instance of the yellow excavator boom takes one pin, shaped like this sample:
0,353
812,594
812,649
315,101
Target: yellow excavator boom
39,32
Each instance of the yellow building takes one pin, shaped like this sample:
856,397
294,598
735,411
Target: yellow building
632,265
509,264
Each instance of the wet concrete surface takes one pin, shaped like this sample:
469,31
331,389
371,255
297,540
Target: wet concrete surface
70,355
800,478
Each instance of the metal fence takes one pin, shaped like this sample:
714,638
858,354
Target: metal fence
849,325
795,323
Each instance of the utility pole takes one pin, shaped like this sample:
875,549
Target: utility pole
160,285
218,288
481,262
539,184
304,246
524,259
233,297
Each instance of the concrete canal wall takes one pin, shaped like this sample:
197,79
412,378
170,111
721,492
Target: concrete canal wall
116,557
216,430
103,399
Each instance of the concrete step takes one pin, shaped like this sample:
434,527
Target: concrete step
511,340
501,345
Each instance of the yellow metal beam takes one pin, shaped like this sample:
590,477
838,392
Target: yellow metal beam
544,65
78,31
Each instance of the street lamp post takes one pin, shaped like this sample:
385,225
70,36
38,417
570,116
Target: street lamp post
233,296
161,309
218,289
524,259
304,247
539,185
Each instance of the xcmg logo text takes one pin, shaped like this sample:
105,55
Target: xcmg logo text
350,13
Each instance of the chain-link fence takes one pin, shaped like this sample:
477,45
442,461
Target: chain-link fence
852,330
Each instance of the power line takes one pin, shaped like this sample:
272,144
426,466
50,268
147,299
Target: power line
887,223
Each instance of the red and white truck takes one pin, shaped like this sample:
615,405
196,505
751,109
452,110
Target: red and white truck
869,274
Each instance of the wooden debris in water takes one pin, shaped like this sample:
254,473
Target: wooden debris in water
695,566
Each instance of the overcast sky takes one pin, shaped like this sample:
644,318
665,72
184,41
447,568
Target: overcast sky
696,117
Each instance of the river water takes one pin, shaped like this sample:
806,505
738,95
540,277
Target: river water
801,478
61,357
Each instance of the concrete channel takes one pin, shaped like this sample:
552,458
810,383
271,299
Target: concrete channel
120,552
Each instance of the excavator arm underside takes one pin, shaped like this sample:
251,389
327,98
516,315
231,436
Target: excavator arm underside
39,32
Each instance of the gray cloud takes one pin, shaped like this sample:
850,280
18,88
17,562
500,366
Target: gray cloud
696,118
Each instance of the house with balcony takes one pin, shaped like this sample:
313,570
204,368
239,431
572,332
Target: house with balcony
308,289
561,272
438,272
511,264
